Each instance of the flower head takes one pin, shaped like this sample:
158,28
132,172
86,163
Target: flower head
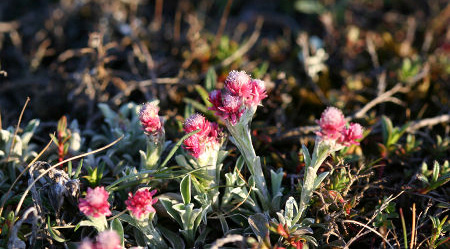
197,122
108,240
141,203
258,93
242,94
331,123
239,84
150,121
231,108
351,134
208,137
95,203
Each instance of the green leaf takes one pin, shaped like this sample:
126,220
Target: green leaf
185,189
259,224
319,179
211,79
203,94
175,148
306,156
53,233
116,225
435,174
174,239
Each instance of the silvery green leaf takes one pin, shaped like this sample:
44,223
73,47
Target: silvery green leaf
276,200
319,179
276,179
181,160
291,208
306,156
174,239
168,205
259,224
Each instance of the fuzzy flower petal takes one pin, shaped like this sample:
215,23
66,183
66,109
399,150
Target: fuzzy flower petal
196,122
150,121
95,203
231,108
141,204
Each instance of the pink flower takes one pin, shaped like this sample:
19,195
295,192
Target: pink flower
86,244
194,145
231,108
196,122
258,93
141,203
331,123
208,137
108,240
95,203
351,134
238,83
150,121
215,97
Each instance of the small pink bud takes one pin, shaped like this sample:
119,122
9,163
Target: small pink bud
331,123
150,121
141,203
258,92
238,83
351,134
215,97
95,203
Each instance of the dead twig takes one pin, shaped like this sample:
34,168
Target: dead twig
246,47
444,118
223,22
228,239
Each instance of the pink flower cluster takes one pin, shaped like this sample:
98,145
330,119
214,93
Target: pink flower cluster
332,127
105,240
241,92
150,121
95,204
141,203
207,137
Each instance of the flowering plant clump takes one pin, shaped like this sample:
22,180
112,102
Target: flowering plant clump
153,126
141,203
333,135
333,128
95,204
236,105
108,239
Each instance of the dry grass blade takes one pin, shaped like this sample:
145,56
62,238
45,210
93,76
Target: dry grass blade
17,129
